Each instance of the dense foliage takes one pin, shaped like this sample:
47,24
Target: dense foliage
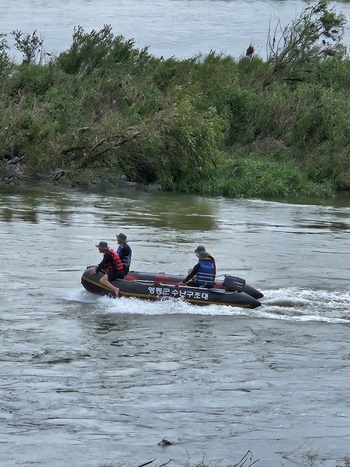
211,124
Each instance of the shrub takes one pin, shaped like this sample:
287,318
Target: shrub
314,36
180,145
5,63
99,50
29,45
254,174
32,79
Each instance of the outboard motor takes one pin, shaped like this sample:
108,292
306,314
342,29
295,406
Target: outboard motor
233,283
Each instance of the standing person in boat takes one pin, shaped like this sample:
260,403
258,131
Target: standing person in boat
212,259
112,262
124,251
204,271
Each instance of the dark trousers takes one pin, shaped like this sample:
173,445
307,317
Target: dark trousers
195,284
112,275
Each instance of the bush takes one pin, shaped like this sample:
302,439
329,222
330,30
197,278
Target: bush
254,175
315,35
183,144
5,64
31,79
100,50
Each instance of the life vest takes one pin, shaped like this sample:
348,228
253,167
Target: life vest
206,273
116,264
126,260
212,259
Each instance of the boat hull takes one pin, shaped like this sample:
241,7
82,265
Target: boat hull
176,278
154,290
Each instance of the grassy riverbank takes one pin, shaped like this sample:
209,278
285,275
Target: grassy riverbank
213,124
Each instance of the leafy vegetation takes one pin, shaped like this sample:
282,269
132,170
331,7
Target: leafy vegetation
103,110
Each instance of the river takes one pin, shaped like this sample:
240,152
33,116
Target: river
180,28
89,381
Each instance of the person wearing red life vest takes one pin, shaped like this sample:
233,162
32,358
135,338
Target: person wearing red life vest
112,262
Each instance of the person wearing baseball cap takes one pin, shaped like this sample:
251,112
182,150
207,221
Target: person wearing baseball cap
202,273
124,251
212,259
113,264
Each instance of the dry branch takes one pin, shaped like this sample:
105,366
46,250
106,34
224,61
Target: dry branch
118,141
91,152
147,463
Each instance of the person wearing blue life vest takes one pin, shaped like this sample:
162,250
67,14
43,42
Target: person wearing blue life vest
204,271
212,259
124,251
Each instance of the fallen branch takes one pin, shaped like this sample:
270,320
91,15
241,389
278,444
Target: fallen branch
166,463
147,463
245,458
91,152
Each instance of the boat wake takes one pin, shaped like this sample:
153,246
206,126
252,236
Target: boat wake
292,304
304,304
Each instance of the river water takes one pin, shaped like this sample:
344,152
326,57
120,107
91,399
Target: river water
180,28
89,381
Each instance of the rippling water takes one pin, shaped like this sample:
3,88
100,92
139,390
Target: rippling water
89,381
180,28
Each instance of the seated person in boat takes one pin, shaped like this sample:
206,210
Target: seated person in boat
124,251
112,262
212,259
204,271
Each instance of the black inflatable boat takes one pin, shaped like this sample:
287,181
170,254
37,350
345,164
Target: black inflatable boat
232,291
